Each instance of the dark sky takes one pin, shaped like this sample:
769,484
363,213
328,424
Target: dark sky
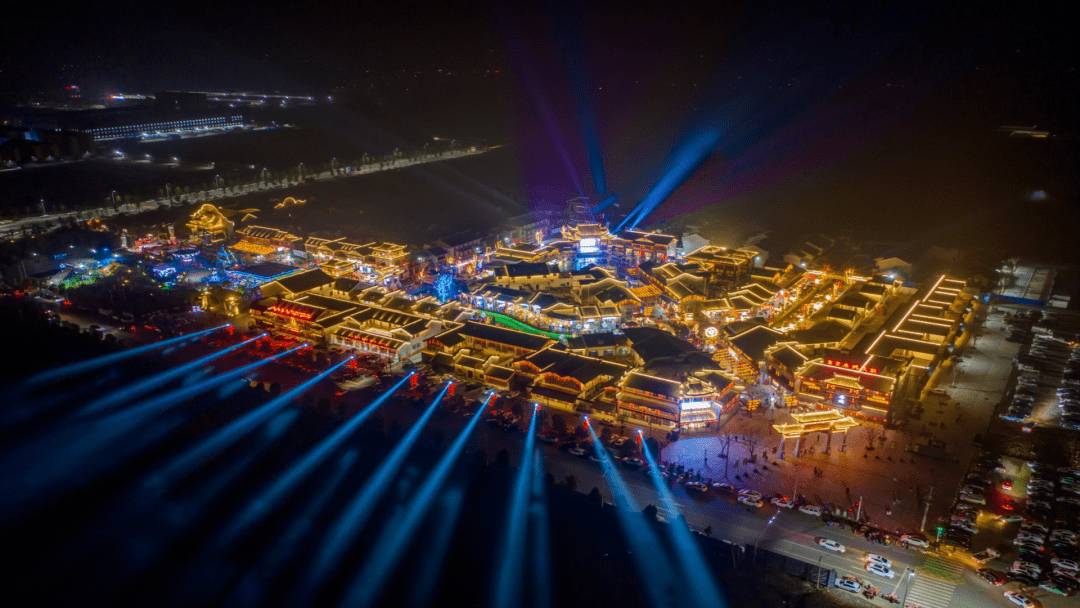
826,91
1022,50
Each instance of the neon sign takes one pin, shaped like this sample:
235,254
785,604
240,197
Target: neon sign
852,366
289,312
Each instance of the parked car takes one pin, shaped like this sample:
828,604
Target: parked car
878,559
878,569
832,545
994,577
750,501
849,585
810,510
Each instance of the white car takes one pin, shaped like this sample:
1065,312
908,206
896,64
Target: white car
752,493
810,510
1018,599
1038,538
879,570
577,451
974,498
878,559
1022,565
1030,526
1068,564
750,501
783,502
831,545
917,540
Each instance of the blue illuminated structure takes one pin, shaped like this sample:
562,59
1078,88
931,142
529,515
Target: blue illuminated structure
398,533
444,287
359,509
698,578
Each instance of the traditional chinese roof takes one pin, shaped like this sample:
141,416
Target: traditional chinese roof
651,384
845,377
305,281
754,341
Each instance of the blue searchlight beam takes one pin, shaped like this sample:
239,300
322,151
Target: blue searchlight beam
358,510
397,535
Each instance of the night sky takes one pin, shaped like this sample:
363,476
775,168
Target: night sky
821,91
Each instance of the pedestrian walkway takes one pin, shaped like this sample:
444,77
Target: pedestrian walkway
927,592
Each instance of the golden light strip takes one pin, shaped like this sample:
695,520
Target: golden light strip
940,279
910,310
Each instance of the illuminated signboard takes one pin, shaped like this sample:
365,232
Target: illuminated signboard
289,312
587,246
711,332
852,366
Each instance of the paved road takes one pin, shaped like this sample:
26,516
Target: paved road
13,229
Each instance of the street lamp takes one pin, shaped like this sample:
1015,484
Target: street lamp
910,576
771,520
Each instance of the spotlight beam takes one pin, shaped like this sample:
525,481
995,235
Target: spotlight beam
396,537
288,481
357,512
252,588
29,409
686,159
156,381
99,362
541,557
436,549
607,202
227,435
90,451
141,542
507,580
697,576
651,560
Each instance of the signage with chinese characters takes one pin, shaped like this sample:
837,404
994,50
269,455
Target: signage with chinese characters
852,366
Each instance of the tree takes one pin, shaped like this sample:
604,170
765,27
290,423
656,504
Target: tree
725,451
594,496
751,442
873,435
558,423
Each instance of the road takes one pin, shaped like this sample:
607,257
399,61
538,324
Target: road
14,229
941,581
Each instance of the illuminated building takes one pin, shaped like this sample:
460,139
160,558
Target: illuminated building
588,239
572,382
600,345
208,222
633,247
687,406
344,313
379,263
729,267
472,348
263,241
862,386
